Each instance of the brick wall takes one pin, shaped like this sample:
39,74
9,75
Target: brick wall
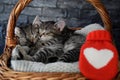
75,12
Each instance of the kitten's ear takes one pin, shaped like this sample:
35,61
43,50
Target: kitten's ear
17,30
60,25
37,21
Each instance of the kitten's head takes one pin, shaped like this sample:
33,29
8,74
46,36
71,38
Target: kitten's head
27,33
21,36
49,29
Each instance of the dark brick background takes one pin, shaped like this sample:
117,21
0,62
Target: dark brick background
75,12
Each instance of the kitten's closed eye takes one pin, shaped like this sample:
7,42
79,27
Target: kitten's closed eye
46,37
46,34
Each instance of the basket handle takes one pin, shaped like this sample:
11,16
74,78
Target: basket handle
10,37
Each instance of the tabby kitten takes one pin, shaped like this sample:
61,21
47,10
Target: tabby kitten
51,40
27,36
72,48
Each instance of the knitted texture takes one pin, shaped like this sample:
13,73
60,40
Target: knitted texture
29,66
98,56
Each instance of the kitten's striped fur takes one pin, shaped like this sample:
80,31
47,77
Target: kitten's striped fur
72,48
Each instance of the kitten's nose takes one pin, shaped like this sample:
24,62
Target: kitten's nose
33,41
40,36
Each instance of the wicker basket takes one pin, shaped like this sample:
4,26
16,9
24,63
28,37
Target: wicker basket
8,74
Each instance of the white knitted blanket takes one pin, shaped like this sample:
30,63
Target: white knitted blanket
29,66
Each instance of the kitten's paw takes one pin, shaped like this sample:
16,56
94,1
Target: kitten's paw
15,54
27,57
15,57
21,50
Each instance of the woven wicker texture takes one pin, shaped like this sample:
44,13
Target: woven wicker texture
8,74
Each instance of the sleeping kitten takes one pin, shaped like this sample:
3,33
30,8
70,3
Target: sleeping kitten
27,36
72,48
51,40
73,44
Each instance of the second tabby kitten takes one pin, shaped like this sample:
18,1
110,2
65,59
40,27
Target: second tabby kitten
72,48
